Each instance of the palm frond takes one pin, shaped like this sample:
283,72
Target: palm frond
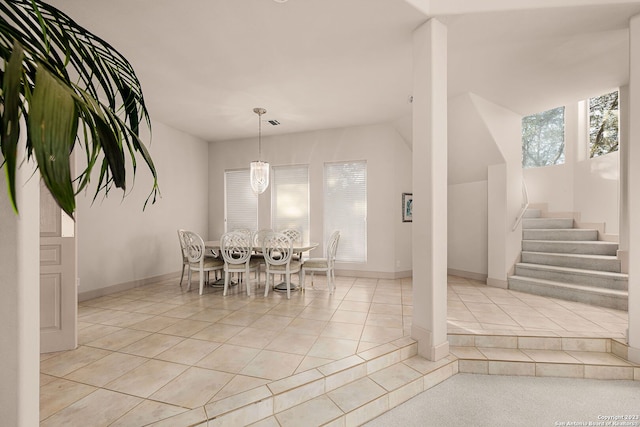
93,87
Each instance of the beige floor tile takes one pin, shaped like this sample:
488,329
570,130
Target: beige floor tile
155,323
210,315
333,348
550,356
306,326
185,328
356,394
272,365
315,412
388,320
510,354
240,318
380,334
347,316
466,352
272,322
106,369
188,351
290,342
64,363
147,378
237,385
395,376
156,308
118,339
152,345
60,393
254,338
310,362
355,306
228,358
100,408
349,331
594,358
146,413
302,329
193,388
94,331
218,332
127,319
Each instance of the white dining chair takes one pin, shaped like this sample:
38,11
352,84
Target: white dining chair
198,261
277,249
296,237
236,249
326,265
183,250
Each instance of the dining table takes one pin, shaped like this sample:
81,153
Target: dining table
297,248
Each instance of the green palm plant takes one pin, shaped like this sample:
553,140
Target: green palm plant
66,88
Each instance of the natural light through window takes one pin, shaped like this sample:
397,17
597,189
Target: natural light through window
290,199
240,202
543,138
603,124
345,208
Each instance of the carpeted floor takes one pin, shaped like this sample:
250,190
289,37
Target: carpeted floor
492,400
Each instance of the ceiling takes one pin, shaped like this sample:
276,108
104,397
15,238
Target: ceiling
316,64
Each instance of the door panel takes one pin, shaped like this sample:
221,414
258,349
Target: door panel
58,293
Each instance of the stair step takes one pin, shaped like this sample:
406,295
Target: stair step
576,276
532,213
569,234
571,247
537,223
609,298
581,261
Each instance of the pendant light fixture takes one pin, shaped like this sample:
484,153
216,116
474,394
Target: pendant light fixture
259,169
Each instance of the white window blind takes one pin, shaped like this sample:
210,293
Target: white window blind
240,203
345,208
290,199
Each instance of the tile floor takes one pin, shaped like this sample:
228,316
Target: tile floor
157,351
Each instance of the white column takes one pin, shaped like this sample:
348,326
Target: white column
633,195
20,302
429,326
623,190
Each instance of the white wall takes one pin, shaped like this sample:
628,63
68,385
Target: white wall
114,232
586,186
388,175
596,194
468,220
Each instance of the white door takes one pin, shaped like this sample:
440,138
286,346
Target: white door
58,293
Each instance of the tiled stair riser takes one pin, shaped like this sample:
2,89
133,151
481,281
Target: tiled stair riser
273,403
601,279
581,261
616,370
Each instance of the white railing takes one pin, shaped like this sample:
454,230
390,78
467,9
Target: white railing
525,205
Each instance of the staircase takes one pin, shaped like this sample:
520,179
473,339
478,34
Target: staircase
568,263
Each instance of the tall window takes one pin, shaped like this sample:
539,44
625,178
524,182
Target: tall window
290,199
240,203
345,208
603,124
543,138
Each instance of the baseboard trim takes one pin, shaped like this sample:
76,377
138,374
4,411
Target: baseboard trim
96,293
375,274
467,274
497,283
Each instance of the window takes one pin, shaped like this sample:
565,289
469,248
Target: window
603,124
290,199
240,203
345,208
543,138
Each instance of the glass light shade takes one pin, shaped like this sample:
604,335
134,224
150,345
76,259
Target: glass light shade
259,176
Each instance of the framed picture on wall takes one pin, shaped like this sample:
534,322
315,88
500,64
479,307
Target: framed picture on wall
407,207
